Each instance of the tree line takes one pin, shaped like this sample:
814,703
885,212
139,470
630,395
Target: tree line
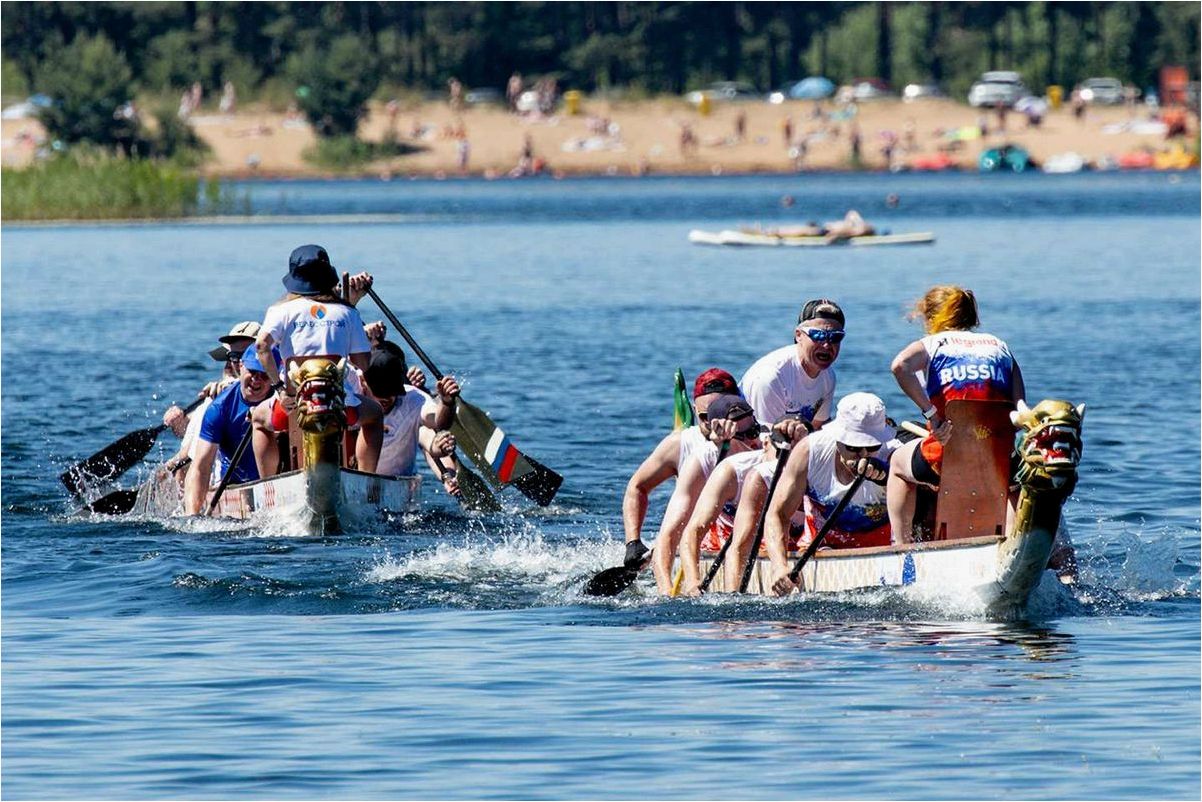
351,50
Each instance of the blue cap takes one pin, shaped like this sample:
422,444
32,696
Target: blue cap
250,360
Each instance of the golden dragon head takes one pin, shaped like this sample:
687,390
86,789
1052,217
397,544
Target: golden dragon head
1049,445
320,399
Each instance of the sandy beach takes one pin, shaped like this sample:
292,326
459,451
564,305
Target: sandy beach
633,138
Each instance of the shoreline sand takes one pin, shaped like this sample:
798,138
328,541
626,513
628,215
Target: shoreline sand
638,138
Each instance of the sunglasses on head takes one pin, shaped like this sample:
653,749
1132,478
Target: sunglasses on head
832,336
859,449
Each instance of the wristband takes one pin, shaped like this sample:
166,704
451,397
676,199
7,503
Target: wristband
929,412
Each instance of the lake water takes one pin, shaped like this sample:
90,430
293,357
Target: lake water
445,656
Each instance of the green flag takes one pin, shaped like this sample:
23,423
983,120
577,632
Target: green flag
682,410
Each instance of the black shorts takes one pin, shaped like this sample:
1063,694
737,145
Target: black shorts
922,469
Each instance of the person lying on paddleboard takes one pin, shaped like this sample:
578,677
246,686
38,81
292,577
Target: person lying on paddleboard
314,320
819,472
852,225
730,419
412,418
797,381
667,458
222,428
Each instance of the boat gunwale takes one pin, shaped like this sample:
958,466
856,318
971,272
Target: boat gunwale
901,548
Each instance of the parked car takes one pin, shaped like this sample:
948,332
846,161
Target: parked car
861,89
997,87
914,92
1103,91
726,91
812,88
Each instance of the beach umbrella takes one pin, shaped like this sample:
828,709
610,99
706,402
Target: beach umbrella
812,88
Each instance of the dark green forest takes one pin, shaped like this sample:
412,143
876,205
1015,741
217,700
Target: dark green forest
639,48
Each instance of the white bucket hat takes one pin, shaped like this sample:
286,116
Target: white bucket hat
860,421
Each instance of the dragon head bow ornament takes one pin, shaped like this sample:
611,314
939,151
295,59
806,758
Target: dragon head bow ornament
320,399
1049,445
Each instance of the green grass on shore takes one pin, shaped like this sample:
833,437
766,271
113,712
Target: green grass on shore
93,187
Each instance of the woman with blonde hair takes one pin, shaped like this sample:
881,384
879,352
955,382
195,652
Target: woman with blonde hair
952,362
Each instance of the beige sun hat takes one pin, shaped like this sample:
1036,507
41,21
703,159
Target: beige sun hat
245,329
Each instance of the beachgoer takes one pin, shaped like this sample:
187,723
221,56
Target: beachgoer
463,152
668,458
223,426
819,472
731,432
513,90
951,362
229,98
852,225
797,381
455,94
740,126
313,320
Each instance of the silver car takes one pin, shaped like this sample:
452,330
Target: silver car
1103,91
992,88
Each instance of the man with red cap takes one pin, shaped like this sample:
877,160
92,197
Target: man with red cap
667,459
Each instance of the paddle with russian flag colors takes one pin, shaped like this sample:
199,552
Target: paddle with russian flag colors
485,443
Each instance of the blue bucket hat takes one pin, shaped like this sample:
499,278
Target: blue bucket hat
310,271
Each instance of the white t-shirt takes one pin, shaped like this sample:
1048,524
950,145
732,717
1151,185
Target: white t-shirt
398,454
304,327
777,385
691,441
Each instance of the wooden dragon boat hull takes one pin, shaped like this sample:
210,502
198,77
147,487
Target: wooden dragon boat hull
1000,571
747,238
356,494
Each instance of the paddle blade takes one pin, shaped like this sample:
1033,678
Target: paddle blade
499,460
119,502
112,461
474,493
682,410
611,581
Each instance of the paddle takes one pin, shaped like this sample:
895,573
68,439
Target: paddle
229,472
473,492
783,457
119,502
116,458
826,527
613,581
482,440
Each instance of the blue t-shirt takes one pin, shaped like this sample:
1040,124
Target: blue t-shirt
225,424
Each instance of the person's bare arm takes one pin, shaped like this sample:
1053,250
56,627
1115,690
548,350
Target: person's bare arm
263,344
719,489
789,496
196,483
657,468
906,365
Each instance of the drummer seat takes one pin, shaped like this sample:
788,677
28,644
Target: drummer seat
975,476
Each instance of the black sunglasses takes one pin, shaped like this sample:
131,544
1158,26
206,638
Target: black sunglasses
858,449
234,356
752,433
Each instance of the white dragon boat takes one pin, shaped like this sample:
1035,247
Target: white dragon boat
768,238
969,551
320,491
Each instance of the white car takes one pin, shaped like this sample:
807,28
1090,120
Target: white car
1104,91
997,87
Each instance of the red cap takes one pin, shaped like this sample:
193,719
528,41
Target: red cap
715,380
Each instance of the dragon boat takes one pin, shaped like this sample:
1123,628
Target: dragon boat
318,489
966,547
772,239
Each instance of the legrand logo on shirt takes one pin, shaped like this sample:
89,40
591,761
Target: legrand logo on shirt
984,371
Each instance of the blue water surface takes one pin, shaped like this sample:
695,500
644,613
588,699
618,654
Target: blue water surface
448,656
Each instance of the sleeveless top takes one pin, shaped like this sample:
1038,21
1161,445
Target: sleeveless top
691,441
967,365
864,521
744,464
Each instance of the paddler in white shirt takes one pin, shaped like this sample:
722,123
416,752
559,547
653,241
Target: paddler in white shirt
667,459
730,434
798,380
